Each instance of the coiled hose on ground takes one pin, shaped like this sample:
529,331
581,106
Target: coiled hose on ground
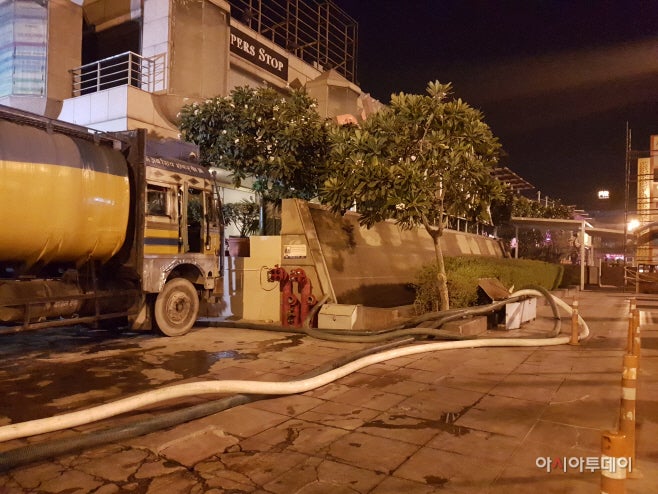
307,383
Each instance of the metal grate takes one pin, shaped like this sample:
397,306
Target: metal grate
319,33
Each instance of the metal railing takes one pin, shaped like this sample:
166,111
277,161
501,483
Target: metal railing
319,32
124,69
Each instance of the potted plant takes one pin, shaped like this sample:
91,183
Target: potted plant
245,216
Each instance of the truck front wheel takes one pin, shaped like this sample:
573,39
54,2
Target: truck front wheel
176,307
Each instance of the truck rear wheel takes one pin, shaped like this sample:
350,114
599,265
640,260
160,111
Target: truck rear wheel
176,307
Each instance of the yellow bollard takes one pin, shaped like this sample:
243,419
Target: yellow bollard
628,402
637,341
614,459
631,332
574,323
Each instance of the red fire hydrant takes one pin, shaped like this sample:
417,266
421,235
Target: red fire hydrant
294,310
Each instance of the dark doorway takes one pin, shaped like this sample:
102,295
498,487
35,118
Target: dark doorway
110,45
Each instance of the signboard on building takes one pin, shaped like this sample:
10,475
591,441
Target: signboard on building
257,53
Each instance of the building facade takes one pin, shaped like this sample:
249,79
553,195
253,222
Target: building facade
114,65
647,209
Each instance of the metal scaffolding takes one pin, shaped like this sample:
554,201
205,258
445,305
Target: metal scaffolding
318,32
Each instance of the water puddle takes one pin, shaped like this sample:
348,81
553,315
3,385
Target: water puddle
33,387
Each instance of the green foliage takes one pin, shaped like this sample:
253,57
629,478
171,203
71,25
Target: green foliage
528,208
551,245
464,273
244,215
571,276
416,161
194,210
282,142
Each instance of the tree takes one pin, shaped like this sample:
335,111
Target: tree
550,245
418,161
279,141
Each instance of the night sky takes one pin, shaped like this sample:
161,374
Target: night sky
556,80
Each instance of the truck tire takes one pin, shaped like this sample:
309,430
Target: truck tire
176,307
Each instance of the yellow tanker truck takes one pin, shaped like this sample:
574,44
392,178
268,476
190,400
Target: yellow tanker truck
103,229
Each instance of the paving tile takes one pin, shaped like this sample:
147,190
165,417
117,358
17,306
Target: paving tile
291,405
369,398
646,433
256,468
445,359
30,476
216,475
397,384
581,386
276,367
342,415
502,415
328,391
480,382
245,421
478,444
450,472
589,411
317,475
237,372
74,480
417,375
356,379
529,386
394,485
412,430
296,435
192,449
156,468
115,467
564,435
180,481
378,454
382,368
526,481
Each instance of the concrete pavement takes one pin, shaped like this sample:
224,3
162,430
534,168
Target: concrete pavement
479,420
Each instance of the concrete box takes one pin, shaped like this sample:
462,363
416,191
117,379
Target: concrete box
516,313
337,316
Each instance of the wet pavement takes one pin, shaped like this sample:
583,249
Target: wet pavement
475,420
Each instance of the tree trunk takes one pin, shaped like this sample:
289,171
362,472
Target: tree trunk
262,217
441,277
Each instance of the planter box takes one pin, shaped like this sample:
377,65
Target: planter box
238,246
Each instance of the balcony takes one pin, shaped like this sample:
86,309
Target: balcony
119,93
124,69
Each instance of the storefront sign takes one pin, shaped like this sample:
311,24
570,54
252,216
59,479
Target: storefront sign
257,53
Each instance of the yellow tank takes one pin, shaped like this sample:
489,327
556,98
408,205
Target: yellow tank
62,199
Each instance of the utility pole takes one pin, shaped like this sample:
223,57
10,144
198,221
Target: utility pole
627,188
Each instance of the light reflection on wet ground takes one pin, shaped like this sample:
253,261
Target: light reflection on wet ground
39,370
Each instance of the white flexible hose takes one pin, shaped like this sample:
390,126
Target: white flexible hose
74,419
584,333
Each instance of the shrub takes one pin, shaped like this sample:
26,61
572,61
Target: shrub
464,273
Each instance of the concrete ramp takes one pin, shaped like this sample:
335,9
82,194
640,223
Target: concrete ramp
354,265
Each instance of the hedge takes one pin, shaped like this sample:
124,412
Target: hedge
464,272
